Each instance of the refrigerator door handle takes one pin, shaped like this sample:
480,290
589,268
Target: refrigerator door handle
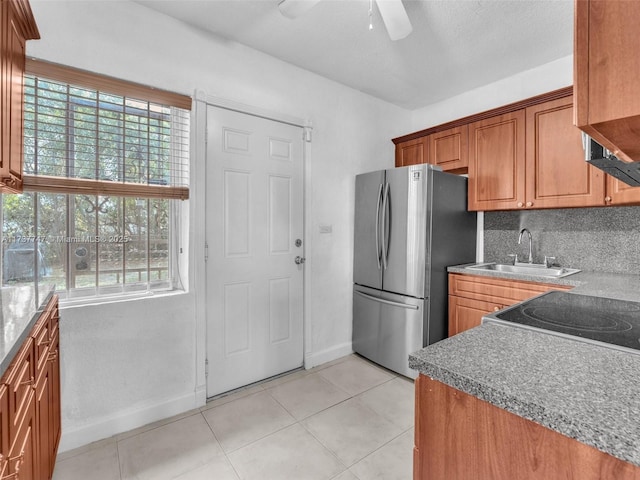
385,202
378,253
388,302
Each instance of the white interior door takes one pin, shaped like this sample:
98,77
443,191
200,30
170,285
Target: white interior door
254,220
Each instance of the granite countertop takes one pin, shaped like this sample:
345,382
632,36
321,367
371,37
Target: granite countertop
584,391
20,308
610,285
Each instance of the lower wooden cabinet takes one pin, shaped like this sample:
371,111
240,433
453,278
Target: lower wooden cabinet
4,430
471,297
460,437
30,403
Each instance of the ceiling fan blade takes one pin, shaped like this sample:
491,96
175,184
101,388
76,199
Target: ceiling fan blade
295,8
395,18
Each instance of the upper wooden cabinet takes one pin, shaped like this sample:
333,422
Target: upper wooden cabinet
496,162
412,152
448,149
18,26
556,172
531,158
606,72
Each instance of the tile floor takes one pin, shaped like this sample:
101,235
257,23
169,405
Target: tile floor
345,420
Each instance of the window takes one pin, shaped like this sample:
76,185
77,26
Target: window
104,172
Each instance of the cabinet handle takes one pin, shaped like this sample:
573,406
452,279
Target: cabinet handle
31,382
607,199
53,356
529,204
15,475
520,204
496,308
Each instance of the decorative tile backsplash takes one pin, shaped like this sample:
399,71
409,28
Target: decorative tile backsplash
593,239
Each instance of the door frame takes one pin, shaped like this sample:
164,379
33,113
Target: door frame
197,218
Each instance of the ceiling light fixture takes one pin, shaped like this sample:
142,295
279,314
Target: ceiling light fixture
393,14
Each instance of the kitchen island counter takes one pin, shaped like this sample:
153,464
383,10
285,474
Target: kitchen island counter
20,308
586,392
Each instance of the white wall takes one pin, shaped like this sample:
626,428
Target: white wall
545,78
126,364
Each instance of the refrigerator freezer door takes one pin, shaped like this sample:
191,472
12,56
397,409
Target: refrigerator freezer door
367,261
387,328
404,232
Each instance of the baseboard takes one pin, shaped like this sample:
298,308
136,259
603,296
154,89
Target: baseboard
318,358
125,421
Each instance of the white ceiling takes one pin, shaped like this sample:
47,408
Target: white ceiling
455,46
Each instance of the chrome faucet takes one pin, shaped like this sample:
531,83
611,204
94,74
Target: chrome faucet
530,243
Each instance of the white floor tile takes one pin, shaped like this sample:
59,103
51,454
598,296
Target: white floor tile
393,461
351,430
96,463
291,453
393,400
217,469
168,451
246,420
350,413
355,376
346,475
308,395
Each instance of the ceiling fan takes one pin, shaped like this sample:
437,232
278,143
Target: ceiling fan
392,12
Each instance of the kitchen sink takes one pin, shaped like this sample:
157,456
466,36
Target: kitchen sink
525,269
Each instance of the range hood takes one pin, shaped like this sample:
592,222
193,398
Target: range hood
600,157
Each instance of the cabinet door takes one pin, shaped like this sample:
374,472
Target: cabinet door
557,175
619,193
465,313
4,428
460,437
55,414
496,162
449,149
606,67
20,380
12,93
412,152
43,420
22,456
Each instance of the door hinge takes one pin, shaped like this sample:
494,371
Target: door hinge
306,134
206,252
206,367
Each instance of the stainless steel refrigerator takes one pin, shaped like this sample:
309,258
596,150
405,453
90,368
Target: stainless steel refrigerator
411,223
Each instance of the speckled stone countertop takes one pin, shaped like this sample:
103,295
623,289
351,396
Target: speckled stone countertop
20,307
584,391
610,285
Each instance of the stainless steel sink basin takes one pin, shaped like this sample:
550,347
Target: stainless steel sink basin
527,269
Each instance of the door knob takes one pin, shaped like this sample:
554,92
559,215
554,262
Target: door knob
300,260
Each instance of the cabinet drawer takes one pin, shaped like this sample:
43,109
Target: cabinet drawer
497,290
41,335
20,382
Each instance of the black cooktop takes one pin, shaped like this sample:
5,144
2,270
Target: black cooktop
614,322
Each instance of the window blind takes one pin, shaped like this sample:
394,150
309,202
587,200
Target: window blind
90,134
